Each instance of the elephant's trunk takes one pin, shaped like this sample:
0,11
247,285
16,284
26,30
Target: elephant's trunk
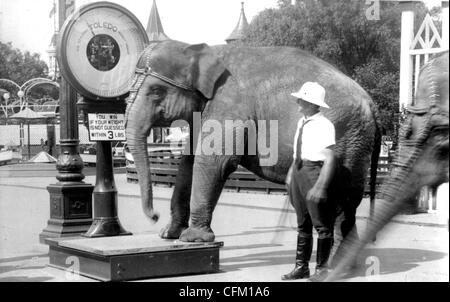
139,124
399,190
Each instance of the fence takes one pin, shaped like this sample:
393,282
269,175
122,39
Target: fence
16,136
164,168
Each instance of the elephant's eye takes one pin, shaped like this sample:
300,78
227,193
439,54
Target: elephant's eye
157,91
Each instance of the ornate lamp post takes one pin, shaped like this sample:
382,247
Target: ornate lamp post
19,88
6,96
21,94
70,198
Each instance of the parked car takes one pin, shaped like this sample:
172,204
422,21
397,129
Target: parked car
119,149
88,149
177,135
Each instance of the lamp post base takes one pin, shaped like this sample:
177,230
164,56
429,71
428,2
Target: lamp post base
106,227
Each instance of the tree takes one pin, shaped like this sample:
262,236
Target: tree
20,67
339,32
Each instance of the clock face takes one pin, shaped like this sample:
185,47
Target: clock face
99,49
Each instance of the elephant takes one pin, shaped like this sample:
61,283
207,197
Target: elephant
421,160
250,86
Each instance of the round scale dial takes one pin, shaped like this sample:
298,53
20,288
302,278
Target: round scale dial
98,49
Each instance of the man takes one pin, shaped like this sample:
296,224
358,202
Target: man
310,179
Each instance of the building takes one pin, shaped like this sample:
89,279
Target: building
155,29
240,29
155,33
53,72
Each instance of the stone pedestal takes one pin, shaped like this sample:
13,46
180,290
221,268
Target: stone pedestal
106,221
133,257
70,210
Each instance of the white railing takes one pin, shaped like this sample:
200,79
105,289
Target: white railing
426,42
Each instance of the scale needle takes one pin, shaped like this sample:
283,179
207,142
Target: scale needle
90,27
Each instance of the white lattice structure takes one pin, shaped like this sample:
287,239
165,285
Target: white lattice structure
416,48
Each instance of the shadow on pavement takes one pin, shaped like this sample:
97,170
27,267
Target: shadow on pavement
9,268
30,262
274,230
22,258
259,259
248,247
391,260
25,279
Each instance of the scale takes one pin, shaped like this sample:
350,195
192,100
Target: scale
98,48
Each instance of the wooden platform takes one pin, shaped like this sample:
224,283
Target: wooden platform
133,257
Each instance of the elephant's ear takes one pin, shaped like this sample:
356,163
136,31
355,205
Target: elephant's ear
206,69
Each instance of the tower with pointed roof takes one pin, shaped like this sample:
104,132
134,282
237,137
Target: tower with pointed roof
155,29
155,33
53,72
240,29
52,62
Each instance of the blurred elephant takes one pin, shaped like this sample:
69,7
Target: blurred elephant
422,158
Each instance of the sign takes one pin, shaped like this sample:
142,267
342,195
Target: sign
386,145
106,127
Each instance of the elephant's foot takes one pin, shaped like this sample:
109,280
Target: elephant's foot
193,234
172,231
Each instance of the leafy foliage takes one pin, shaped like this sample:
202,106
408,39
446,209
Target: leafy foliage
20,67
339,32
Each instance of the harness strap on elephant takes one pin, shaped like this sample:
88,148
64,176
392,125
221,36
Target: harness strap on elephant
142,73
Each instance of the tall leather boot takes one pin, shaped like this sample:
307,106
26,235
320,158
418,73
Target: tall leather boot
304,250
323,253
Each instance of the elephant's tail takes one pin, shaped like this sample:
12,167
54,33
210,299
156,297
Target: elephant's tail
374,165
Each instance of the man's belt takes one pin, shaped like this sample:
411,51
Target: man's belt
309,163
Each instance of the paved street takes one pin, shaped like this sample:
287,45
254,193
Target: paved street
257,230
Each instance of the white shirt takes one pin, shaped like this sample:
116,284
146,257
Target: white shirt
318,134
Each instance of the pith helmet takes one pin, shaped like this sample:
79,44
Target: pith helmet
312,92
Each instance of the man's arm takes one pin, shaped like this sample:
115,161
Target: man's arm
319,191
289,174
291,168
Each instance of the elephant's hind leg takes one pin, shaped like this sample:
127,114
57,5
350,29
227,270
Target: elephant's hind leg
210,175
179,205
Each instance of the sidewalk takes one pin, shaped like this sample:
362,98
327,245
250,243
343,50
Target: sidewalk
258,232
9,174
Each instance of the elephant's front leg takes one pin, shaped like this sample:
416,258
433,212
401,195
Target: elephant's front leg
179,205
209,177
